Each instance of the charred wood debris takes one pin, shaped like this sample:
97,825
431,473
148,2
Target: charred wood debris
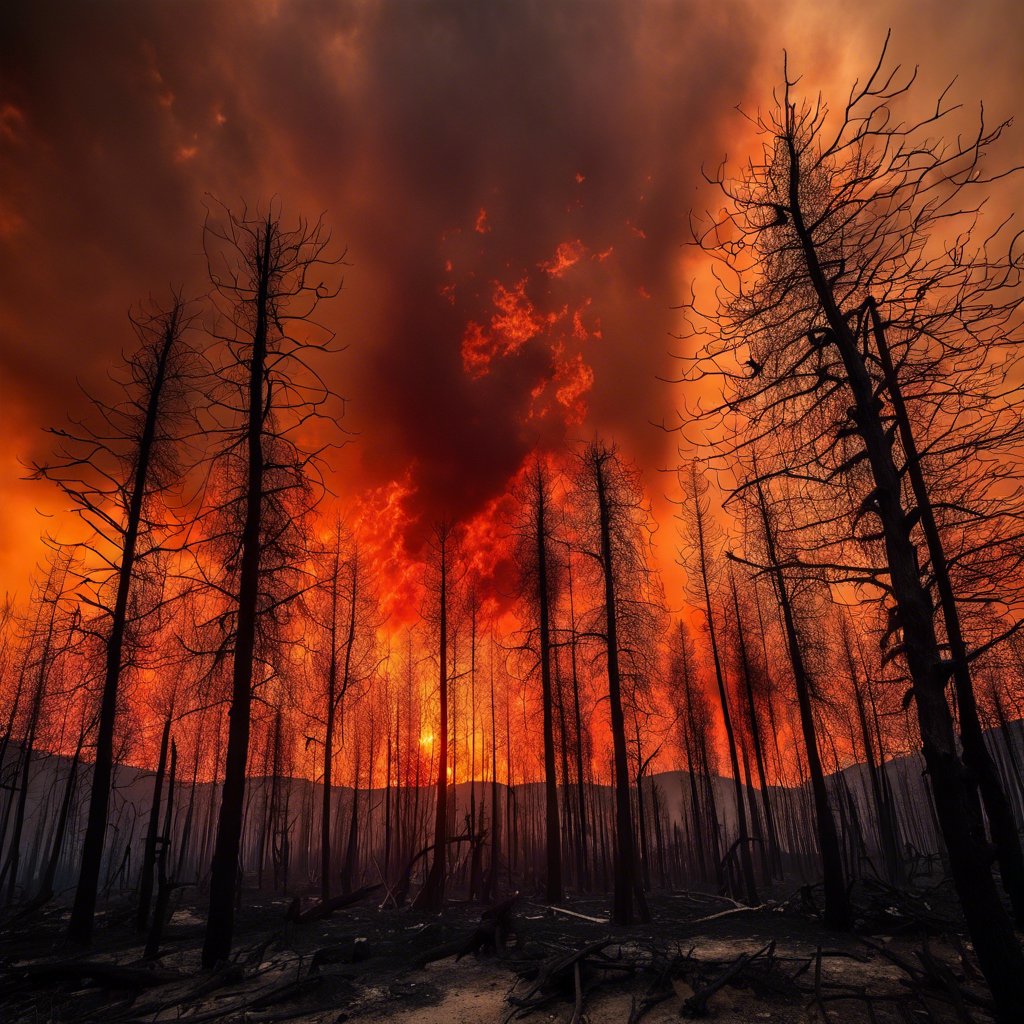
358,958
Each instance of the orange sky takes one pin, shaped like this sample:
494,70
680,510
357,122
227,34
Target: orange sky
512,183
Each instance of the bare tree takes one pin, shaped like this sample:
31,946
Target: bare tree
704,537
431,896
51,633
344,608
749,670
837,903
843,218
118,470
266,281
613,532
694,718
538,582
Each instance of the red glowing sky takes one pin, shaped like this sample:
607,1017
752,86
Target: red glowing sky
512,183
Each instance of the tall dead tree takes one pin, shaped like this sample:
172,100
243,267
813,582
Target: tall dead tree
771,856
579,730
837,903
118,469
266,281
491,878
1003,827
694,716
612,531
885,815
344,609
149,858
840,217
701,533
538,570
50,635
431,896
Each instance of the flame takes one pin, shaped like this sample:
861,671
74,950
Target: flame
573,380
514,322
381,523
567,255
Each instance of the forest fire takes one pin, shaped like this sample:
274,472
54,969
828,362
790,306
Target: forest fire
564,549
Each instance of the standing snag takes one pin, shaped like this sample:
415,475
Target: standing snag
538,580
118,472
265,279
613,533
703,534
845,222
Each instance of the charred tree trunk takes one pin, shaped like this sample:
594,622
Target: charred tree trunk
431,896
186,831
584,865
83,911
837,903
552,832
335,696
325,806
956,800
350,864
164,885
13,860
625,887
152,834
1003,827
491,881
220,923
888,841
772,857
746,861
45,891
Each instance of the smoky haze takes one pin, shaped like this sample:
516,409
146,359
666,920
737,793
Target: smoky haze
511,183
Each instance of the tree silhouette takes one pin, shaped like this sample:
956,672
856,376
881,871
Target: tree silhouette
266,286
842,218
443,554
837,903
612,531
538,581
117,470
343,608
705,538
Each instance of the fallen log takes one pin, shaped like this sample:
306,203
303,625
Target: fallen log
639,1010
660,988
697,1004
352,950
101,972
489,936
324,908
555,973
932,977
727,913
441,952
551,908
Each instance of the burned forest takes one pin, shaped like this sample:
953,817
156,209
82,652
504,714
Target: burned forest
572,577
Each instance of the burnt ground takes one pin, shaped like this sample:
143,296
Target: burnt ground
907,961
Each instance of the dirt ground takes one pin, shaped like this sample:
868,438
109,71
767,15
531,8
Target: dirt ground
907,961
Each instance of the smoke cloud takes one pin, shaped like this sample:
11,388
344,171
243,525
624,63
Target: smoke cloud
512,183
